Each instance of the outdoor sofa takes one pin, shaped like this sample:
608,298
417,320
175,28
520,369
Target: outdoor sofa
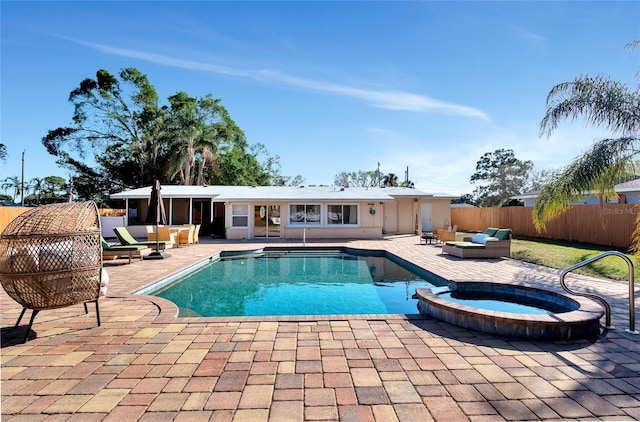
492,243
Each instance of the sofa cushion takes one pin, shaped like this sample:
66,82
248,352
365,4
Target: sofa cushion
503,234
104,284
490,231
479,238
491,239
466,245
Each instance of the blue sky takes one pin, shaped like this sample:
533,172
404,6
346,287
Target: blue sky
328,86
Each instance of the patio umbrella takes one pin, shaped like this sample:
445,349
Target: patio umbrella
156,215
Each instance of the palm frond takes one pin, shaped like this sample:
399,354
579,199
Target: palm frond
600,100
597,171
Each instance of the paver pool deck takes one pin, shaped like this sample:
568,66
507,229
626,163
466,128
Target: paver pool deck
144,363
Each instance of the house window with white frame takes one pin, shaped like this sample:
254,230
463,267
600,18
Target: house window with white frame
240,215
342,214
308,214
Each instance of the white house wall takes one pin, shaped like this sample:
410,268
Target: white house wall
369,224
396,210
440,213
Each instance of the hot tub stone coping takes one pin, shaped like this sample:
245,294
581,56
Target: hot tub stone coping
582,322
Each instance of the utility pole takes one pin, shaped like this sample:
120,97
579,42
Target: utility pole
22,183
70,191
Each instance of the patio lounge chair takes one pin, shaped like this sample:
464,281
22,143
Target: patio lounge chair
126,239
123,251
492,243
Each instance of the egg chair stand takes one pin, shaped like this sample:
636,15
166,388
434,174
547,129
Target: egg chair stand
36,311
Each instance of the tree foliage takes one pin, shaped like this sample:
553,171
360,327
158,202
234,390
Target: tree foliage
119,121
120,124
47,190
466,198
14,185
363,178
503,174
603,102
358,178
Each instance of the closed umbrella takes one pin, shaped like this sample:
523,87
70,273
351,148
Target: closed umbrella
156,215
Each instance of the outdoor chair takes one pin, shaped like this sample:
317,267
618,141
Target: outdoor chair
185,236
167,235
196,232
151,233
50,257
446,235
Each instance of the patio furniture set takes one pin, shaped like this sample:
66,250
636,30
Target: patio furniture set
492,243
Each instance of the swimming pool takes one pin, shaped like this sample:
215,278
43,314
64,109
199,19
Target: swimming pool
299,282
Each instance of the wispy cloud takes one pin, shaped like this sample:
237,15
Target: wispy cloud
535,40
383,98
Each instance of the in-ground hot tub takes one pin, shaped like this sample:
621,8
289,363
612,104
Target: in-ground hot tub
552,315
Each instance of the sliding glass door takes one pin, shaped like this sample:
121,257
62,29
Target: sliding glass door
266,221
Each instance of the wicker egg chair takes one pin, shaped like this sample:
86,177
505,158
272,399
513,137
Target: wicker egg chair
50,257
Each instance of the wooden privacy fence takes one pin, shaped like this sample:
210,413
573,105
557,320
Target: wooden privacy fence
609,224
7,214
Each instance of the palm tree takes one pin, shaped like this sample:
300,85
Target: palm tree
602,102
14,184
37,185
197,128
390,180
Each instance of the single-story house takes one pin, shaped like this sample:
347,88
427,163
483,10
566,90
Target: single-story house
628,193
248,212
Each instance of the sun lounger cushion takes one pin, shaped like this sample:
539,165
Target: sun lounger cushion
490,231
466,245
503,234
482,238
126,239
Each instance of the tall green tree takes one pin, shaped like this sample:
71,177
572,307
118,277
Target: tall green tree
537,179
118,120
3,152
37,185
390,180
14,185
196,130
271,165
135,139
603,102
503,176
466,198
358,178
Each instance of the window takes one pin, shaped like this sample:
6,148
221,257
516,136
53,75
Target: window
240,215
304,214
342,214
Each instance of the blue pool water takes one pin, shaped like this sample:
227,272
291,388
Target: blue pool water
506,303
317,283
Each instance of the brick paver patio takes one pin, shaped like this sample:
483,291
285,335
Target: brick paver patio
146,364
